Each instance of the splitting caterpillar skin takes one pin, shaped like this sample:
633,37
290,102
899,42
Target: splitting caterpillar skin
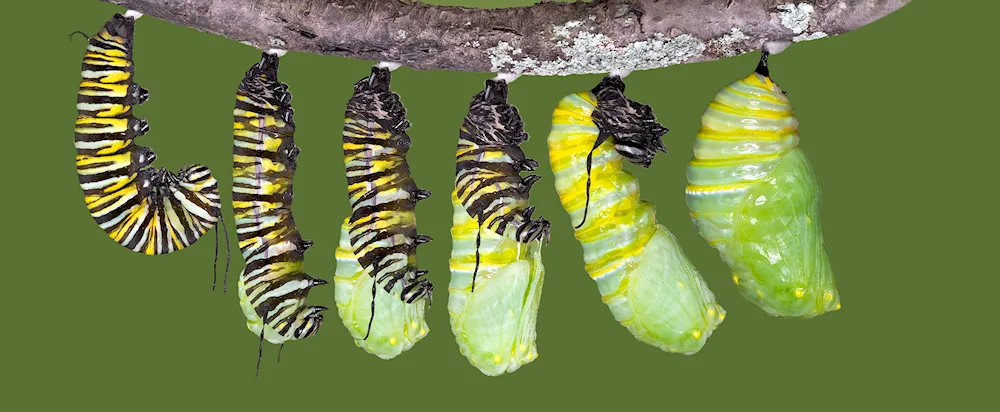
496,263
143,209
273,286
378,243
641,272
754,196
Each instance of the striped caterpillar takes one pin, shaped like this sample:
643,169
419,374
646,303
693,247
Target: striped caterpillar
754,196
147,210
378,242
496,264
273,286
643,276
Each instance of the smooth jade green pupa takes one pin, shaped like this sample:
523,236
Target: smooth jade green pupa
754,196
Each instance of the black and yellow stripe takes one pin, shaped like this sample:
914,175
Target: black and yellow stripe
144,209
382,226
273,286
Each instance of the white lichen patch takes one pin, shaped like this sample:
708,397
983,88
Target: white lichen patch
597,53
565,30
809,36
729,44
401,34
796,17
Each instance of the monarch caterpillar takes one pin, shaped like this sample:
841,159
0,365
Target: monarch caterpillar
378,242
273,286
643,276
147,210
496,264
754,196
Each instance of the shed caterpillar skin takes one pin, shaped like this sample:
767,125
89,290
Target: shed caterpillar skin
146,210
754,196
378,243
641,272
273,286
496,262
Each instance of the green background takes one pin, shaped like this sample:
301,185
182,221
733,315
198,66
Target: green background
893,116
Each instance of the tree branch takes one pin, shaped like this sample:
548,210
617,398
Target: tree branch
543,39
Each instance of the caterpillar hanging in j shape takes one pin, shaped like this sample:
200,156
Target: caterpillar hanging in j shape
641,272
147,210
273,286
754,196
378,242
496,262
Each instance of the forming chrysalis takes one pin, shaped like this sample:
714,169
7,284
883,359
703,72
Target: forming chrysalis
643,276
378,243
496,262
274,285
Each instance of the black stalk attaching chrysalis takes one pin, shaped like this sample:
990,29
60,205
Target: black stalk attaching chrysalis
631,126
762,65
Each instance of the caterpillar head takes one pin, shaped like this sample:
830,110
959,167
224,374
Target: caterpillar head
163,177
307,322
630,125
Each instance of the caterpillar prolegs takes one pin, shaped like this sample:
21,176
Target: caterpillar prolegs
273,286
147,210
754,196
496,264
641,272
378,243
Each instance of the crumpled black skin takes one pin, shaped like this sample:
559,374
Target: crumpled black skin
631,125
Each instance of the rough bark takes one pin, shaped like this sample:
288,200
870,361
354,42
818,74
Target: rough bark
542,39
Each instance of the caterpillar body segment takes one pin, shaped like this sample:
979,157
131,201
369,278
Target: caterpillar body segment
496,265
274,285
641,272
378,248
754,196
147,210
